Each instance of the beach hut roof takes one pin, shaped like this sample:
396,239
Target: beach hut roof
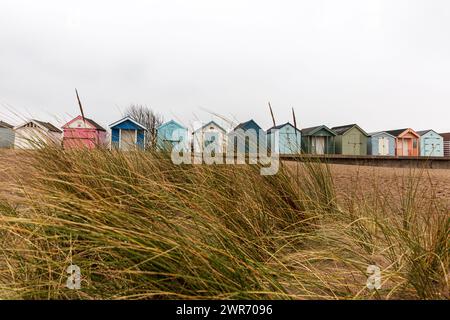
210,123
398,132
244,125
283,125
312,130
343,129
445,135
170,122
92,122
422,132
41,124
377,133
5,125
49,126
112,125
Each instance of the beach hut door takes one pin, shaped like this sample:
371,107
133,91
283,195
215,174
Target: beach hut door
383,146
128,139
431,146
320,145
405,147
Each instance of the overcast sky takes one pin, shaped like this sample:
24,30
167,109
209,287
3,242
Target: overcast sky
381,64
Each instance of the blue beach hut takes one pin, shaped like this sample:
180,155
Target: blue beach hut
245,138
127,134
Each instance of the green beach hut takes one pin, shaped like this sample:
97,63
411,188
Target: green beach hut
351,140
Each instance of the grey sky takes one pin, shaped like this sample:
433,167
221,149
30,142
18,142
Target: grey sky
381,64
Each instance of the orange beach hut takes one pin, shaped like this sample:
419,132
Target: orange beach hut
406,142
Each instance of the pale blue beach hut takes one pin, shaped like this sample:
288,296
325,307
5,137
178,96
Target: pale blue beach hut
170,134
431,143
289,139
381,144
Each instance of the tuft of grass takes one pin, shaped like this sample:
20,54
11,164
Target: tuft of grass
140,227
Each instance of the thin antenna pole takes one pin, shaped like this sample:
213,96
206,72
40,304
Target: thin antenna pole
296,142
295,119
271,113
295,126
79,103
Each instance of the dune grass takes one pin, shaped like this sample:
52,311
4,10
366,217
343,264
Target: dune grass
140,227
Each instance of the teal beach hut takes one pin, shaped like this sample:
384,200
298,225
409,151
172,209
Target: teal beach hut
290,139
170,134
318,140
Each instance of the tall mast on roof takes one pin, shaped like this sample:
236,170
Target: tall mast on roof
295,119
271,113
79,104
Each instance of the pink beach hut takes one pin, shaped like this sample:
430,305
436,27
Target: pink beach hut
83,133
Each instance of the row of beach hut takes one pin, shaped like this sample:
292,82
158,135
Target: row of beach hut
349,140
128,134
